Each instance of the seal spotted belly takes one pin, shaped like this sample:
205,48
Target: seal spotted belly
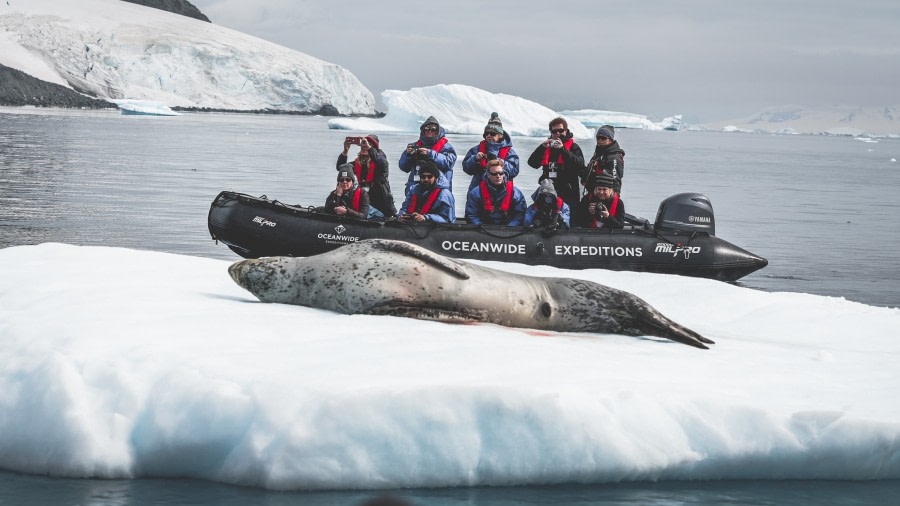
397,278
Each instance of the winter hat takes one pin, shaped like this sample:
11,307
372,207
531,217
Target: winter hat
428,165
373,140
494,124
607,131
430,121
545,194
346,170
545,187
604,180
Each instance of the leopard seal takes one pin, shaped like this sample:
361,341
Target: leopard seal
384,277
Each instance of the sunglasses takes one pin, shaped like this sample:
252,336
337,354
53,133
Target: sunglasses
602,138
345,180
496,173
429,129
426,176
490,134
557,130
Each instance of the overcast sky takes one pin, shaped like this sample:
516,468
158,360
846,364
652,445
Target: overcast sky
708,59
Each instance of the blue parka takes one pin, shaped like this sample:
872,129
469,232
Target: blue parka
477,215
472,167
442,210
445,159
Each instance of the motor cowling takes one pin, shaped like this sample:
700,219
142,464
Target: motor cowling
686,212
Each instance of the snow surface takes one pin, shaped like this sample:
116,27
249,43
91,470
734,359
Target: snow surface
460,109
117,49
121,363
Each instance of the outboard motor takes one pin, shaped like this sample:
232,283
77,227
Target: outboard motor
686,212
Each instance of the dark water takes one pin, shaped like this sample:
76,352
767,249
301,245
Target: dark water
21,489
823,210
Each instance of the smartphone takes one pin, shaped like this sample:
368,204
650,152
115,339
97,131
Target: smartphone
354,140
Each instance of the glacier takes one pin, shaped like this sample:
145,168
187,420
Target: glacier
118,50
120,363
460,109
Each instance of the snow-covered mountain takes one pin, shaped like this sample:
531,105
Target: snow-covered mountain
117,50
836,120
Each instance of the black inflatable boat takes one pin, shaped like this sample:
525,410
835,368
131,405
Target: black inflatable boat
682,241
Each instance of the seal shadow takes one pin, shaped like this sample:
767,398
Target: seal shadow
232,298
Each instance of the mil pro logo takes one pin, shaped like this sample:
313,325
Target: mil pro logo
675,249
340,229
263,222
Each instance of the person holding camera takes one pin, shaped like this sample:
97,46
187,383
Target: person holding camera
432,145
548,211
371,170
561,161
602,207
608,159
497,145
347,198
495,201
430,199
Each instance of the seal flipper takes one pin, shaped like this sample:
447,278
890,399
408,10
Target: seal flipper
422,254
653,323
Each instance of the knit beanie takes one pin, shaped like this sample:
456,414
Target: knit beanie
428,165
346,170
604,180
494,124
607,131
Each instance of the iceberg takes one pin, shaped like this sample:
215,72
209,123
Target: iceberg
460,109
115,50
595,118
120,363
144,107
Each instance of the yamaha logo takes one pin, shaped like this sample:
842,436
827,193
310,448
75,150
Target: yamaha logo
340,229
699,219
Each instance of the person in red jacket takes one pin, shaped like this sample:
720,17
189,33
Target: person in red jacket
602,207
347,199
561,162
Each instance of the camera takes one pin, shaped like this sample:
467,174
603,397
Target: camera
548,200
556,143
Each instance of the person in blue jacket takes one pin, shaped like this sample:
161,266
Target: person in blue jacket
432,145
548,211
430,199
496,145
495,201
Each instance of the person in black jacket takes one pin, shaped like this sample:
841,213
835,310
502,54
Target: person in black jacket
602,207
371,170
561,161
347,199
608,159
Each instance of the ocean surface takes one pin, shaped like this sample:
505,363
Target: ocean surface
823,211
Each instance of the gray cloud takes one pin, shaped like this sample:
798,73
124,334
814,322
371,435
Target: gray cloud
709,59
